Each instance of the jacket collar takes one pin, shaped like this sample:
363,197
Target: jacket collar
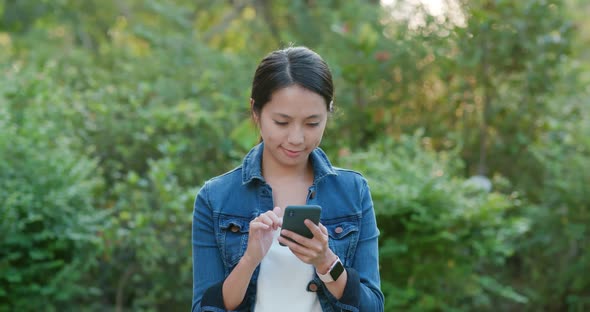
252,165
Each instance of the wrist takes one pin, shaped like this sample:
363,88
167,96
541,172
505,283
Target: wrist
327,264
333,273
248,262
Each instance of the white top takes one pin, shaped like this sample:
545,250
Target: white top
282,282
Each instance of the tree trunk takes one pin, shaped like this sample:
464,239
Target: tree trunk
120,299
482,167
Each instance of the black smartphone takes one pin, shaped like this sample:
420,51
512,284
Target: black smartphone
295,215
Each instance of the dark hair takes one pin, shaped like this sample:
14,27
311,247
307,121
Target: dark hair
291,66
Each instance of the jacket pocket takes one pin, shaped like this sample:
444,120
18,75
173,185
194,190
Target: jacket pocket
232,237
344,235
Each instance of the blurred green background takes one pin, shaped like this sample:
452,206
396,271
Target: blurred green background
114,112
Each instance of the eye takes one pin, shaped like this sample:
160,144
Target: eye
281,123
313,124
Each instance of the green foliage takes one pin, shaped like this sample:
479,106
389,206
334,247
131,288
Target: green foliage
559,252
113,113
49,221
439,233
512,50
147,245
151,124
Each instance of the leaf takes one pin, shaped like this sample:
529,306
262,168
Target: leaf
245,135
505,291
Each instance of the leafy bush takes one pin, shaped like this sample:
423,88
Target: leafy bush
151,97
439,234
556,251
48,219
147,243
150,136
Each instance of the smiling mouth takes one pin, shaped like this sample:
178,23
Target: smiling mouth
292,153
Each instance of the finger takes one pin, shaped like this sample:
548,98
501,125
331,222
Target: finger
284,241
309,247
316,231
278,212
276,221
265,218
294,245
324,229
300,256
319,243
301,253
295,237
255,225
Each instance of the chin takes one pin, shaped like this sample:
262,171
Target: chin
293,162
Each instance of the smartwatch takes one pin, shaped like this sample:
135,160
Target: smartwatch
336,269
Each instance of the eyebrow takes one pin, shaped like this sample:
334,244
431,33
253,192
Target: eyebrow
289,117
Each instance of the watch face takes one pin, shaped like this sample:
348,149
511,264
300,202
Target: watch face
337,270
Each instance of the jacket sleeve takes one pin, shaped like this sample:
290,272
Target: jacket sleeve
363,286
208,268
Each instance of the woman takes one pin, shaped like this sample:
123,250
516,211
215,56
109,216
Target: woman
238,262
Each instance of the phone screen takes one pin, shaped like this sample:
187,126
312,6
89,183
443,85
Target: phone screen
295,215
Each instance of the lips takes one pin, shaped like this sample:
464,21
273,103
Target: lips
291,153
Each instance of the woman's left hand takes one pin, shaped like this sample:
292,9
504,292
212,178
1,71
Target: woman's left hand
314,250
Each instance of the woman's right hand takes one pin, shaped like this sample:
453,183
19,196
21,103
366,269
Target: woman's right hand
261,235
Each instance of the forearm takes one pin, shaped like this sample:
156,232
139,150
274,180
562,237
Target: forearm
236,284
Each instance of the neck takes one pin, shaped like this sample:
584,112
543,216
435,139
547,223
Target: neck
274,171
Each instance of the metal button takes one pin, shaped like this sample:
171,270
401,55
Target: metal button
234,228
338,230
313,287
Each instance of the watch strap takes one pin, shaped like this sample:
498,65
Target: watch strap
336,269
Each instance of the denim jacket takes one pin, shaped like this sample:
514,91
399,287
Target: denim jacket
226,204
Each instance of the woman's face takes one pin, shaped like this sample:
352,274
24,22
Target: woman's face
292,125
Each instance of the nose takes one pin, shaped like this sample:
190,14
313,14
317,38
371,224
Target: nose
296,136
